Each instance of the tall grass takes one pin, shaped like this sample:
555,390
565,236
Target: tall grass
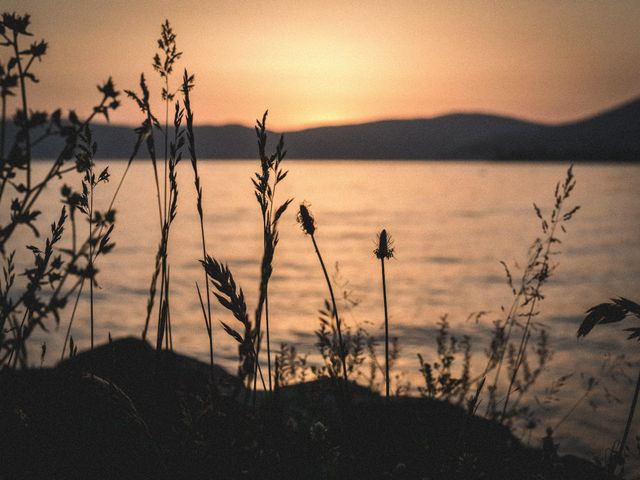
163,63
265,184
106,221
187,85
231,297
45,267
533,294
526,298
175,154
382,252
308,224
89,183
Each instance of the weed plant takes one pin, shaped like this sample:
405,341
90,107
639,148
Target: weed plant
613,312
163,63
382,252
526,298
17,180
308,224
265,184
187,86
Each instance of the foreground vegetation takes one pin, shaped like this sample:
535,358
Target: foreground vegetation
128,410
123,422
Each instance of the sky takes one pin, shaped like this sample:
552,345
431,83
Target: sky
334,62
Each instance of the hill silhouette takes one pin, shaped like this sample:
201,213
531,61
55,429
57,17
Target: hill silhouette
613,135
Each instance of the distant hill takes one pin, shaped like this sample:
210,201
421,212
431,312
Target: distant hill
613,135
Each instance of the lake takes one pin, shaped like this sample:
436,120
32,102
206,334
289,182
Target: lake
452,224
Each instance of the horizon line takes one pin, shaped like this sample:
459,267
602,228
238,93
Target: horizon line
372,120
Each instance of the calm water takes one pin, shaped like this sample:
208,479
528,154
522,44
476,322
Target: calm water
452,224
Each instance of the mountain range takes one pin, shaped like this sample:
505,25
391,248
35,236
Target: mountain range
613,135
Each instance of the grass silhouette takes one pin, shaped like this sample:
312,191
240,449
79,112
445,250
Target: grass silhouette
265,183
385,251
308,224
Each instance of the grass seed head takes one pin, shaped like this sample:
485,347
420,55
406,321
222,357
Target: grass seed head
306,220
385,245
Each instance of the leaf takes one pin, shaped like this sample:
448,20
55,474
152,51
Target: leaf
232,332
630,306
603,313
224,302
635,333
281,210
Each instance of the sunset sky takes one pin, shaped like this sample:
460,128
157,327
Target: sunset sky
334,62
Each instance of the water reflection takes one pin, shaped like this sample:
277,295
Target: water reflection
452,224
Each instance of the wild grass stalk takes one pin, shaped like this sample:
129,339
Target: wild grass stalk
265,184
13,28
91,180
74,201
533,294
187,85
526,296
382,252
175,155
146,131
7,83
84,160
45,268
231,297
308,224
164,66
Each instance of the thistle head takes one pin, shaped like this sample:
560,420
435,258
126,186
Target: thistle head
385,246
306,220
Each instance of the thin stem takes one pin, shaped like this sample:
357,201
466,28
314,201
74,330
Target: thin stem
194,163
23,94
168,315
510,320
266,317
386,330
166,147
627,428
571,410
264,386
206,314
91,257
207,324
20,341
163,273
335,309
3,119
155,175
266,293
73,314
162,313
525,334
206,279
